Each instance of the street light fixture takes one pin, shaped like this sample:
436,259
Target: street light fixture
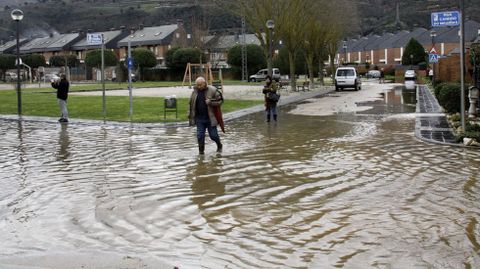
17,15
270,25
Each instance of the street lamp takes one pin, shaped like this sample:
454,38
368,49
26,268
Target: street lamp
345,51
433,34
17,15
270,25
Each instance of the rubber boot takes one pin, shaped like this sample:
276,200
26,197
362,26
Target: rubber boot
201,147
268,117
275,117
219,146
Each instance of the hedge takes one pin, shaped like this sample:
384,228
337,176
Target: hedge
449,95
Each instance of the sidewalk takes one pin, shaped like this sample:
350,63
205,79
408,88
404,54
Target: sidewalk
431,123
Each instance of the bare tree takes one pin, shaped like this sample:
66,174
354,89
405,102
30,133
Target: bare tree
292,27
257,13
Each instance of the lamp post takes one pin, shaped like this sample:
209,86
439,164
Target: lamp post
17,15
345,51
270,25
433,34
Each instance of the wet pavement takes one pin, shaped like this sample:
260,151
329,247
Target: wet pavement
353,190
431,122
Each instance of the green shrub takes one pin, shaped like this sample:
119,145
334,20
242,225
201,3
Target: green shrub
449,97
456,117
471,131
438,89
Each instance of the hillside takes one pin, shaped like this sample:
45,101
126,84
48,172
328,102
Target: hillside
46,16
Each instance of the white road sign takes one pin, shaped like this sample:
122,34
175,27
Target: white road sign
94,39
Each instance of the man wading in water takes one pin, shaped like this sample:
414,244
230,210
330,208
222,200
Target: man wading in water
201,113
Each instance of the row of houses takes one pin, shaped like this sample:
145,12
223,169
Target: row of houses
382,50
387,49
158,39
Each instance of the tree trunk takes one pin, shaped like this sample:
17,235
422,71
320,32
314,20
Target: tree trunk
321,66
332,65
309,59
293,77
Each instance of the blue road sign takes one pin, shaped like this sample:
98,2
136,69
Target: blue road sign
433,58
445,19
130,63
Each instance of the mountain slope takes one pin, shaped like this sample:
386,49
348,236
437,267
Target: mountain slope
46,16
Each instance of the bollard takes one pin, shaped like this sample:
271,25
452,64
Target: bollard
473,97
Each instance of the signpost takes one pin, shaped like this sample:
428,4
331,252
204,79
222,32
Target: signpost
130,67
448,19
445,19
97,39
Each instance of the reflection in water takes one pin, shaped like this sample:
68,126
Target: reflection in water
345,191
63,143
206,185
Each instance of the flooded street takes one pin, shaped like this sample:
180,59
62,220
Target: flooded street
343,191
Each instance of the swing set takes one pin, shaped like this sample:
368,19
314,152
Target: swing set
193,71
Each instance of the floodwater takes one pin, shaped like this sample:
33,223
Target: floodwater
344,191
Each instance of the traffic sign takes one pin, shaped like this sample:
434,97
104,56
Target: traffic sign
445,19
130,63
433,58
94,39
433,51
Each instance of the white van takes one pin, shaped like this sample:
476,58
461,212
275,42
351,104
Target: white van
347,77
261,75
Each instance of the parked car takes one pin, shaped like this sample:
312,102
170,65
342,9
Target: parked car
373,74
10,76
262,74
51,77
347,77
410,75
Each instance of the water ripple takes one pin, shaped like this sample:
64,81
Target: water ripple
346,192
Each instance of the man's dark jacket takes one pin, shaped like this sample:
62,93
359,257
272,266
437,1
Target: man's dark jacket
62,88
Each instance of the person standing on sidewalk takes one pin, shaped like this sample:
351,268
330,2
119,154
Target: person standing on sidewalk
201,113
62,87
271,98
382,76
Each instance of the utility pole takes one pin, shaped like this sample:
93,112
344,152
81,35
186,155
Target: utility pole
244,52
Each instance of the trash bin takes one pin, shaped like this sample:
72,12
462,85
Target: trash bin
170,102
170,105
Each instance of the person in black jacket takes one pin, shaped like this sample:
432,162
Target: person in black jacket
62,87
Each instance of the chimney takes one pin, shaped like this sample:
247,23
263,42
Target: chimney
50,35
179,22
140,27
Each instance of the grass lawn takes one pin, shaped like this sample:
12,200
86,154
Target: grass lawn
75,87
145,109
